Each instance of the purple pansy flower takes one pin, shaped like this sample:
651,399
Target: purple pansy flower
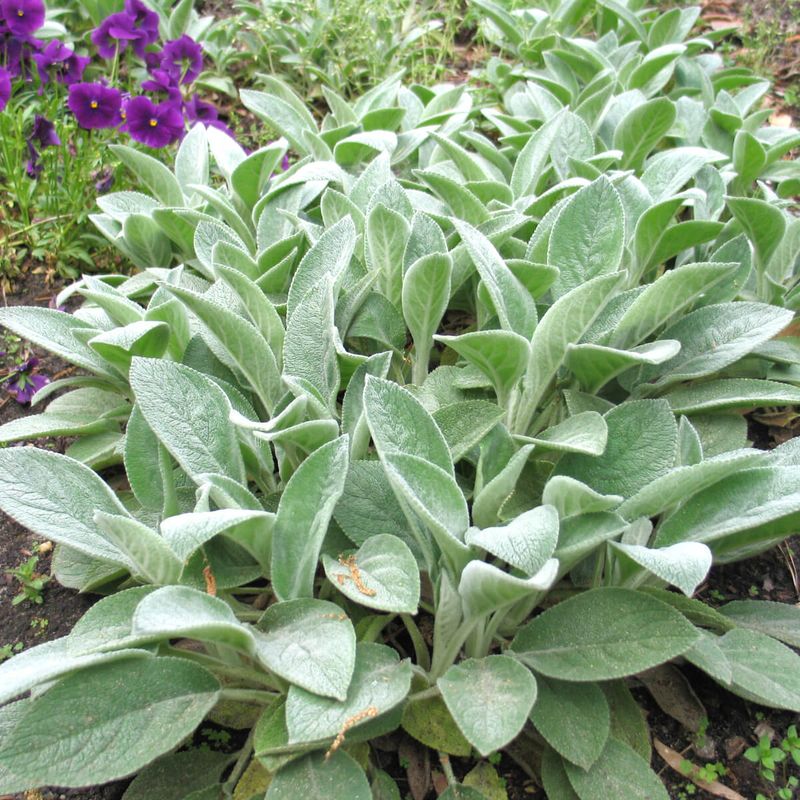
23,17
207,113
62,61
182,58
114,33
24,383
161,81
32,167
5,87
155,125
104,180
144,18
95,105
44,132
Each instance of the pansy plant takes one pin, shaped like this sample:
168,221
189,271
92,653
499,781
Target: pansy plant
372,395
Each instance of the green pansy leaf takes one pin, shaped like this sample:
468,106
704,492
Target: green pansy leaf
490,699
603,634
310,643
381,574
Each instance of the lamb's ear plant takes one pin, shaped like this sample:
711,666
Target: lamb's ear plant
372,394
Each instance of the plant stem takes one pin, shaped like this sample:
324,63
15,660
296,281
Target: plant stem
420,648
249,695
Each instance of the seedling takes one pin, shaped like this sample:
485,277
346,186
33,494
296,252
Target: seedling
8,650
31,582
766,756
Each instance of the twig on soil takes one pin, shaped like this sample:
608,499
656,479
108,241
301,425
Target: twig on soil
791,566
688,770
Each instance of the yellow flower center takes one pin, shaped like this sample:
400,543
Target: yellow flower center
153,123
20,12
93,104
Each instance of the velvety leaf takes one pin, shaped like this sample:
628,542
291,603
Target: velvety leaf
429,721
430,497
525,543
661,300
603,634
425,294
490,699
564,323
464,424
514,305
179,611
381,574
329,256
681,483
484,588
642,437
586,432
84,730
56,497
310,643
588,237
242,343
779,620
684,565
619,772
380,683
177,775
573,719
731,393
189,414
314,777
763,670
713,337
400,424
744,501
150,556
501,355
305,509
641,129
